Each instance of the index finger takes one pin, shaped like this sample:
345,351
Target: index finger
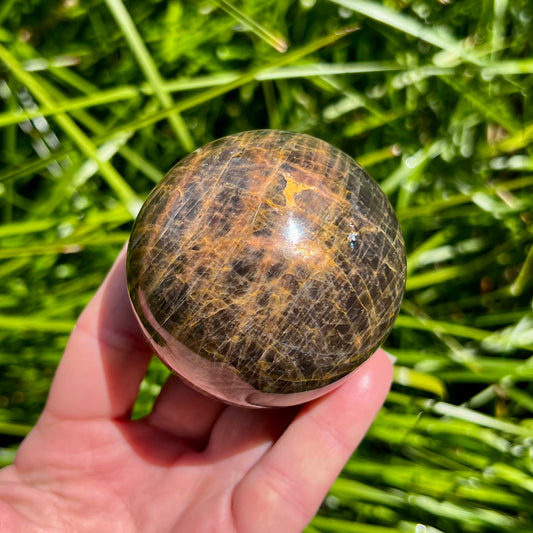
106,356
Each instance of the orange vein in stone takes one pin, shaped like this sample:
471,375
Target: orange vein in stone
293,187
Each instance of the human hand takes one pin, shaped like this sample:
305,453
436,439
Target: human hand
194,464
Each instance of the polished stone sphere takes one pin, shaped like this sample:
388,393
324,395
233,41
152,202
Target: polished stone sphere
265,267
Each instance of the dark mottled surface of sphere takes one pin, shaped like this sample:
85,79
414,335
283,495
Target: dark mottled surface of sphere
265,267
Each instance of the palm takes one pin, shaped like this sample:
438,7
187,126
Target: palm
137,474
193,464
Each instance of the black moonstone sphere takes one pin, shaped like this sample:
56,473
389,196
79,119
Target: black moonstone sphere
265,267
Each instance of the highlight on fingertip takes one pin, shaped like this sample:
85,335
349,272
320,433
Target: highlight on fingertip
392,358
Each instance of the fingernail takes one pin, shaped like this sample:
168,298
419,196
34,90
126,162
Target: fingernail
392,358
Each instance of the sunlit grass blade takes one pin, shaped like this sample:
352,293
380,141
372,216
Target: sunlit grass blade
274,39
93,100
18,430
519,334
525,276
336,525
326,69
498,24
5,7
436,240
150,70
439,37
508,68
511,475
441,327
63,248
514,142
28,226
30,323
372,122
480,419
378,156
411,167
417,380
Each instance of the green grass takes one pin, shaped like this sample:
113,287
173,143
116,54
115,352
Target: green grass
99,98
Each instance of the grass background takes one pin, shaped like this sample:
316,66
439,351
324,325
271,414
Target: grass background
98,98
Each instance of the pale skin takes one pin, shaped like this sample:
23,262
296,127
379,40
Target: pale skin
194,464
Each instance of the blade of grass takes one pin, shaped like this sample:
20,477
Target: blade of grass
435,206
437,239
90,167
516,335
29,323
439,37
5,8
432,207
17,430
498,25
93,100
418,380
508,68
436,326
118,238
149,68
469,415
27,226
274,39
511,475
448,252
525,276
350,488
337,525
411,167
378,156
373,122
512,143
328,69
